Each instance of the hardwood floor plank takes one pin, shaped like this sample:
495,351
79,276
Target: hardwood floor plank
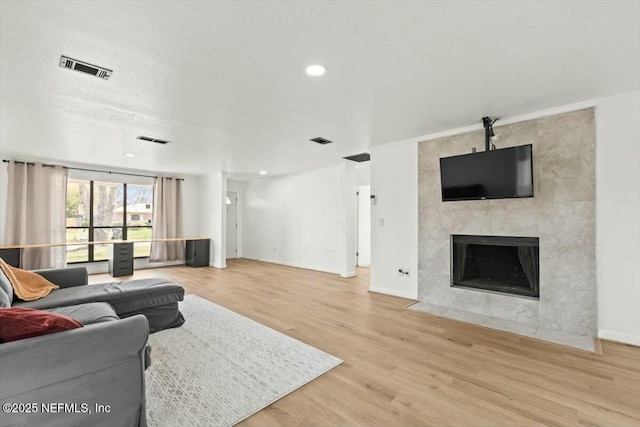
407,368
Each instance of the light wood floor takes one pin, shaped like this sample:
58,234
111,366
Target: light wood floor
406,368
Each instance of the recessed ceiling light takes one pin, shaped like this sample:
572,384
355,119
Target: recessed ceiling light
129,155
315,70
263,172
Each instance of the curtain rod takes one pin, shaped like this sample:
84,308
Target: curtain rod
87,170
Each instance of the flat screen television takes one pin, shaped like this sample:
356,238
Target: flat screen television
496,174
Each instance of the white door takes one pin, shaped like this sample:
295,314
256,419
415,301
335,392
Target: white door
232,225
364,226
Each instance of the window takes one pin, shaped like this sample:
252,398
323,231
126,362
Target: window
105,211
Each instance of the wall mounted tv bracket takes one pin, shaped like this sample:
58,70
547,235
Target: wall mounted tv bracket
488,131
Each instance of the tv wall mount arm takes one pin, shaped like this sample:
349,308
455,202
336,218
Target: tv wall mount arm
488,131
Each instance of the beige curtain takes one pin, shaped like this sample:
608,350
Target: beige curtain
36,203
167,220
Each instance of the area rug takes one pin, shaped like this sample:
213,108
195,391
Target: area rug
220,368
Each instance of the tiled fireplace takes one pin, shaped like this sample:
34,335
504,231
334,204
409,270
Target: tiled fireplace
561,216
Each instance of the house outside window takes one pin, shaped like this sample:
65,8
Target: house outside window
104,212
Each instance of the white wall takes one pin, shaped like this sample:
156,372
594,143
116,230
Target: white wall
618,218
191,202
394,220
347,208
363,173
214,213
238,188
364,226
3,199
297,219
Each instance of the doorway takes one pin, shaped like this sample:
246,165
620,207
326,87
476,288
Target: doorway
232,224
363,226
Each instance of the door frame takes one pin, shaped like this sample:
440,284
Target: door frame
233,196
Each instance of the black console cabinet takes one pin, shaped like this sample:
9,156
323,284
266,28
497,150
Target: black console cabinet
121,259
11,256
198,253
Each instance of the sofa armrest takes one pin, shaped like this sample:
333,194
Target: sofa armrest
65,277
101,363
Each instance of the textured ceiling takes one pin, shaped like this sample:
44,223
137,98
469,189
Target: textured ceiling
225,81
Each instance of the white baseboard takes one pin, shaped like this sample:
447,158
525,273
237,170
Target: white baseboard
348,275
157,264
306,267
394,292
619,337
138,264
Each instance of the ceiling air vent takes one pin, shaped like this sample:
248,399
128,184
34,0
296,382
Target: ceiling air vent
321,140
362,157
84,67
156,140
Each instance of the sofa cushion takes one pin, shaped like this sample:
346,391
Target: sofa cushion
4,299
93,312
129,296
160,317
65,277
18,323
5,285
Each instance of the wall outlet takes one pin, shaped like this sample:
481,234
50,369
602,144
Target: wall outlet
380,222
403,272
274,249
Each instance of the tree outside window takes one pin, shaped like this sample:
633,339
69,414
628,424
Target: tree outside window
104,212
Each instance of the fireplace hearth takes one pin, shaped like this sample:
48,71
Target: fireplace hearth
496,263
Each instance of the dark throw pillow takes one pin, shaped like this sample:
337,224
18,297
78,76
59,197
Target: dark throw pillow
18,323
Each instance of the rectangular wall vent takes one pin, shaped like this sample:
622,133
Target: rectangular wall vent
321,140
84,67
156,140
362,157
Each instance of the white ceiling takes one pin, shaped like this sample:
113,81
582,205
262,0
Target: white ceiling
225,81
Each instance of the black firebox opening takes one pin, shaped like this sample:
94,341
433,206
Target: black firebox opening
496,263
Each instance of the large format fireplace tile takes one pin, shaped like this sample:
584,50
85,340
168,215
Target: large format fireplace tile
560,337
525,329
437,290
466,316
571,266
475,302
472,219
565,136
513,222
561,215
567,224
569,310
581,342
562,180
510,308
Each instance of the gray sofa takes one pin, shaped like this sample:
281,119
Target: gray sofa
102,363
157,299
99,364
